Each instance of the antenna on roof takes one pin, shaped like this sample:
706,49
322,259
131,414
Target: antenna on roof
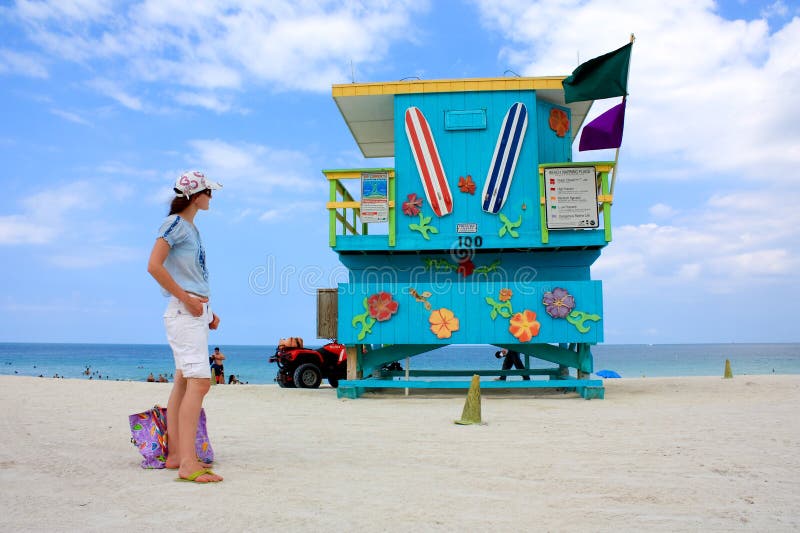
512,72
352,72
410,78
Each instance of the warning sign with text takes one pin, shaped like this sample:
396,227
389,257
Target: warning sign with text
571,197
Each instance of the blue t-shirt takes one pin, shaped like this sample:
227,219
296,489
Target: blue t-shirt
186,262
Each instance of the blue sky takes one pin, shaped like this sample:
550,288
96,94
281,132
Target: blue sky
104,103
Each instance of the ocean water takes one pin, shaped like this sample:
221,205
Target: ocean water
250,363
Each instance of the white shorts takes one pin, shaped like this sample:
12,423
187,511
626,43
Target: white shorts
188,338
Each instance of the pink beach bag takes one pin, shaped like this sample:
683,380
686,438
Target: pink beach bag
149,435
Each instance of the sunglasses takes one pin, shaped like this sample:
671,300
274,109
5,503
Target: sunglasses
207,192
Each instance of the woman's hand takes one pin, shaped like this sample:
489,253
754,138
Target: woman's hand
195,305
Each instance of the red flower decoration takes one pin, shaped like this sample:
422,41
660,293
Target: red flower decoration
466,185
381,306
412,205
559,122
466,267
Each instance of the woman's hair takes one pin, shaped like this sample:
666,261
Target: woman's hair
179,203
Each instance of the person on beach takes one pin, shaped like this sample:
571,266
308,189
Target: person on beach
178,263
151,378
217,367
511,359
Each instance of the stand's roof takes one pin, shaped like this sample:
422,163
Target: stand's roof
368,108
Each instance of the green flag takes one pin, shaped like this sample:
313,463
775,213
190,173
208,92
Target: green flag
604,76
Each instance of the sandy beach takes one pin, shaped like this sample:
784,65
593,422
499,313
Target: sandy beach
667,454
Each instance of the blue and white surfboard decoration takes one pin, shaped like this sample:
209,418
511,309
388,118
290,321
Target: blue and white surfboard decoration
504,161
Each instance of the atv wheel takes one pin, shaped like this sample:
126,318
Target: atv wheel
307,376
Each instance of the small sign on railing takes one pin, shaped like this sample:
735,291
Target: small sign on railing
571,197
374,197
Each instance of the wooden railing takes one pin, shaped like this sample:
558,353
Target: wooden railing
604,197
344,209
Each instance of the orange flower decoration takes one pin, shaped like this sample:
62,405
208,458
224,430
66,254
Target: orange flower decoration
443,323
466,185
505,295
559,122
524,326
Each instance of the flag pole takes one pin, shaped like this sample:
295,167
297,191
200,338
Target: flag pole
616,155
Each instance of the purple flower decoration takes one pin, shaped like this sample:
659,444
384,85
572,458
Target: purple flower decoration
558,303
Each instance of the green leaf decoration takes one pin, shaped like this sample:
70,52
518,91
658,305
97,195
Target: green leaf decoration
509,226
499,308
577,319
424,226
439,265
488,268
365,320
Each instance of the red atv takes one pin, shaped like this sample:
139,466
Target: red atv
305,368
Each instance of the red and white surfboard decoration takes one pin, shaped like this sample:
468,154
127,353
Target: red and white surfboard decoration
429,164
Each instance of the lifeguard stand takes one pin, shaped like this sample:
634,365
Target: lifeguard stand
484,231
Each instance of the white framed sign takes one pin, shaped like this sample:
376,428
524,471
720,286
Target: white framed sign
466,227
374,197
571,197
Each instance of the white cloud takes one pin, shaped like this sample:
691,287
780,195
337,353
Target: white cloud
776,9
708,95
70,116
18,229
43,215
121,169
252,170
735,241
16,63
68,220
74,10
208,46
114,91
207,101
95,256
287,211
662,211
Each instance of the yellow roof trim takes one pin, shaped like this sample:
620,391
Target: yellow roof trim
447,86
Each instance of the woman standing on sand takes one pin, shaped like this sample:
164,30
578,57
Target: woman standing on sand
178,264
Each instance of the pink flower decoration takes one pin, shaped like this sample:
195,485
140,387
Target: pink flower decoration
412,205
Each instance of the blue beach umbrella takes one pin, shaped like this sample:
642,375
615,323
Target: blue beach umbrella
607,374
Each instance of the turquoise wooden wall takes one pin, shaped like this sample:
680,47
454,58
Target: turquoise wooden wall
411,322
489,266
469,151
552,148
465,127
